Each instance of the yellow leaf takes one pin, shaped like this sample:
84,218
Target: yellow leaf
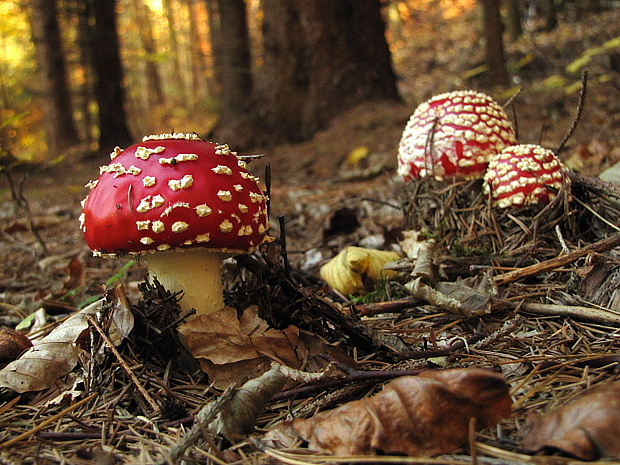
357,155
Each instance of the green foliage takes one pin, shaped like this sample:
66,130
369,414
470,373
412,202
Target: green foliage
460,250
109,283
379,294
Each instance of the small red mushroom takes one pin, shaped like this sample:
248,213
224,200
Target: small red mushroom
453,135
524,175
185,204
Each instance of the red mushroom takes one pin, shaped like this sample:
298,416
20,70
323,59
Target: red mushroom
185,203
524,175
453,134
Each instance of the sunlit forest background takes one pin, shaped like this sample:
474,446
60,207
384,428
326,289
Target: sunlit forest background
174,74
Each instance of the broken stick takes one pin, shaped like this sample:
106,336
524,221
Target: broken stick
554,263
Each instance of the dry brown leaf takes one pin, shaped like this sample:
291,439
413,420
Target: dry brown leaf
587,428
232,349
463,298
56,354
421,415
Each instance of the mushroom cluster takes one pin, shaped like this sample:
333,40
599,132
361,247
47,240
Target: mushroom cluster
453,135
176,193
467,135
524,175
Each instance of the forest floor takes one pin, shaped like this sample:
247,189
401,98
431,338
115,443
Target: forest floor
340,189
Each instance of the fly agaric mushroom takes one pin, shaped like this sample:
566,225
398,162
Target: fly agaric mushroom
185,203
453,134
523,175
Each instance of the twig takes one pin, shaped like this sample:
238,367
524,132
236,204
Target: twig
457,345
352,376
578,113
554,263
595,184
596,315
22,203
205,416
283,251
125,367
46,422
393,306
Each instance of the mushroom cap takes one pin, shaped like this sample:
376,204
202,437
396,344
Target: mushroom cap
524,175
453,135
174,191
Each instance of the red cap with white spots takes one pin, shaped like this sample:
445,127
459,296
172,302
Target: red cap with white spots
453,135
524,175
174,191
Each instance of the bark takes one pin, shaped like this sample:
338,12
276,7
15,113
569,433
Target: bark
321,57
215,36
495,56
236,78
60,125
175,49
108,71
155,93
200,85
513,19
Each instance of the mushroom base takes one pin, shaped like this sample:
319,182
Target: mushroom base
197,273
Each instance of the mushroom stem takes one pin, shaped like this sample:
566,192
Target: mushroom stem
195,272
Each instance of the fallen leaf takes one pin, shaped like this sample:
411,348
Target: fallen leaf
355,269
422,415
56,354
463,298
232,349
586,429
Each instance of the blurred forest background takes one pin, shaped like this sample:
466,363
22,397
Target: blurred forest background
78,77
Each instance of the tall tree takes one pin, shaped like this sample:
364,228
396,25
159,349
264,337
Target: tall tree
494,43
236,77
175,49
513,19
108,71
155,91
321,57
60,125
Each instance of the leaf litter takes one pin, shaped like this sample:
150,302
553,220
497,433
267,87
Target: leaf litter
547,351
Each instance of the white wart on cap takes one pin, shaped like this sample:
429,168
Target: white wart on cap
453,135
524,175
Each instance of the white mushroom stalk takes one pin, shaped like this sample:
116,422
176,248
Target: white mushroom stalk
196,273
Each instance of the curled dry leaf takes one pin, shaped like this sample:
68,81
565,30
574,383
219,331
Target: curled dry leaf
355,269
232,349
421,415
56,354
12,344
462,298
587,428
239,413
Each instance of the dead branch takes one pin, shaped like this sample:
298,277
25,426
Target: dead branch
595,315
554,263
578,113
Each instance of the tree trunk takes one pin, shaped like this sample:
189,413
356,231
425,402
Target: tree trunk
215,36
60,125
200,84
234,57
513,19
179,76
494,43
155,93
108,70
321,57
549,14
